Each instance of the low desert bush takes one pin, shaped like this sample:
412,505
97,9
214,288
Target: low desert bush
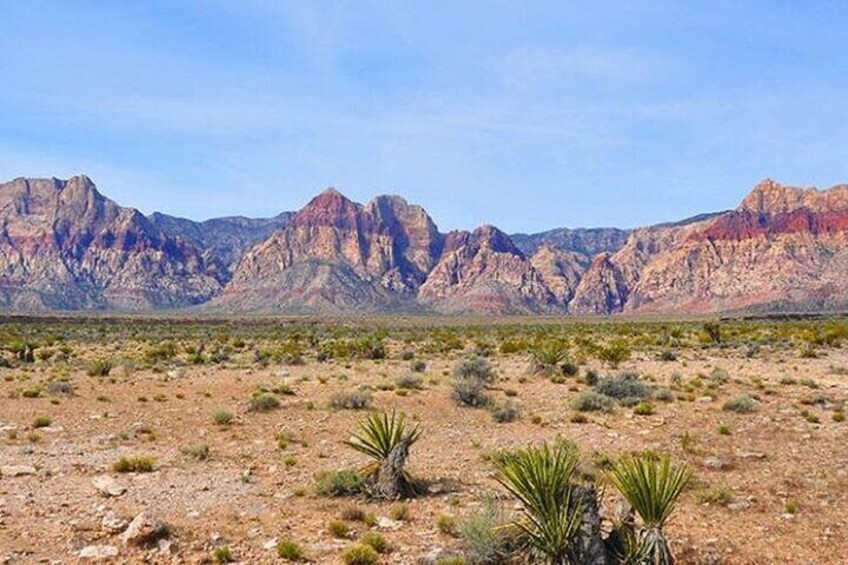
591,401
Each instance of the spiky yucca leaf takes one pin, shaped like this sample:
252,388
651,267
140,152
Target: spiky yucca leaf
379,434
540,478
546,357
652,486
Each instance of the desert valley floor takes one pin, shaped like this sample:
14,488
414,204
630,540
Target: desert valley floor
234,423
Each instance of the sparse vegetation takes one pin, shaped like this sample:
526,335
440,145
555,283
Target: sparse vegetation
740,405
361,554
351,400
135,464
187,400
387,440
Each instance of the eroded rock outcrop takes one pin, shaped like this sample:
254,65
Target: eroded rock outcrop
64,246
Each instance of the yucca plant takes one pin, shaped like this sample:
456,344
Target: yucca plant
540,478
546,358
386,439
652,487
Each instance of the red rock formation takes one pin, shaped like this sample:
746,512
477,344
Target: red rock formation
64,246
484,271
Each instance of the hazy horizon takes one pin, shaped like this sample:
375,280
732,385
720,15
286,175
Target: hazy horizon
528,117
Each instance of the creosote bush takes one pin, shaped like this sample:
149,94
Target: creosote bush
360,554
340,483
99,368
623,386
263,402
591,401
351,400
470,379
740,405
135,464
222,417
287,549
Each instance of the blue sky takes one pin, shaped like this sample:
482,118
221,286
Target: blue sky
526,115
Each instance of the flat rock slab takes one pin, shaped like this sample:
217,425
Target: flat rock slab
144,529
16,470
108,486
98,552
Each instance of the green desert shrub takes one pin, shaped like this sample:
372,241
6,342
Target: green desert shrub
340,483
591,401
135,464
99,368
222,417
470,379
740,405
361,554
42,422
351,400
614,354
546,358
410,382
377,541
482,533
263,402
623,386
506,413
287,549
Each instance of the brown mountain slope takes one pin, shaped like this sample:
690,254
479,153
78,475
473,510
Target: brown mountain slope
484,272
64,246
337,255
782,248
221,241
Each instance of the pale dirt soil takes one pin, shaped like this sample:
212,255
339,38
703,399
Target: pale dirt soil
776,457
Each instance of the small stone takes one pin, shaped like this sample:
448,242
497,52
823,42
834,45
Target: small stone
742,454
16,470
386,523
270,544
435,555
113,523
716,463
108,486
144,529
165,546
98,552
739,504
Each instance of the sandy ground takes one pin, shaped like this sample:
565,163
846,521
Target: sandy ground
245,496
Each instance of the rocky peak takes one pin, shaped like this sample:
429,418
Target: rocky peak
66,246
771,197
602,289
492,238
330,208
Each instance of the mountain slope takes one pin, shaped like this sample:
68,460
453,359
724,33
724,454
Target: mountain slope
64,246
782,248
221,241
369,258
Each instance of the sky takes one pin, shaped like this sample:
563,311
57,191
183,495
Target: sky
526,115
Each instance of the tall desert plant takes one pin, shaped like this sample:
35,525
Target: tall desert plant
652,487
539,477
546,358
386,439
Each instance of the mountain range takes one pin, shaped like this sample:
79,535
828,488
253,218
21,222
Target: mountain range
65,246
